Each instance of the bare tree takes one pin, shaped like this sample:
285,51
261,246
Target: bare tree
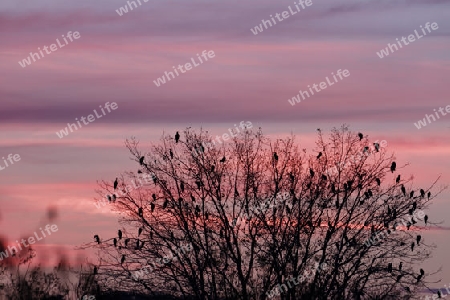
252,218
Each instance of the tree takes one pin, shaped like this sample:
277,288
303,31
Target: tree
254,218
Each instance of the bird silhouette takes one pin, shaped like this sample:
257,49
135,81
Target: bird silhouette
412,246
400,266
360,135
389,268
123,259
311,172
319,155
422,193
418,238
377,147
182,186
177,137
422,272
324,177
140,231
378,181
275,156
141,160
171,153
119,233
140,212
95,270
411,194
152,207
419,278
393,166
397,180
126,242
115,184
440,295
414,205
97,239
222,160
366,149
115,242
114,197
403,190
429,195
426,219
165,204
109,198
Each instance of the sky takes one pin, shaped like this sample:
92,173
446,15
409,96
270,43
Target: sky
251,77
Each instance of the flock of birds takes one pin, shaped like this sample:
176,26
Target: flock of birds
391,213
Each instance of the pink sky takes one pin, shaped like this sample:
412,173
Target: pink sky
250,79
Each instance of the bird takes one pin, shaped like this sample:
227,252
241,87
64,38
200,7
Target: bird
390,267
414,205
171,153
411,194
109,198
311,172
115,184
419,277
140,231
140,212
223,159
141,160
319,155
403,190
192,198
429,194
377,147
400,266
154,197
177,137
360,135
397,180
426,219
422,193
378,181
95,270
422,272
418,238
412,246
114,197
393,166
275,156
139,172
324,177
97,239
115,242
165,204
126,242
119,233
182,186
399,277
152,207
365,149
123,259
137,245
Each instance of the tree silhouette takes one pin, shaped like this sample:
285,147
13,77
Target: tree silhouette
256,218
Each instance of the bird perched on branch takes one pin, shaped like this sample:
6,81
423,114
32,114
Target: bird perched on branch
119,233
393,166
97,239
115,184
360,135
177,137
397,180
